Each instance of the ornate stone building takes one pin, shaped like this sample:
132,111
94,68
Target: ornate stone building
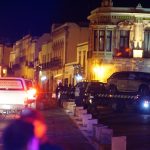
119,40
59,55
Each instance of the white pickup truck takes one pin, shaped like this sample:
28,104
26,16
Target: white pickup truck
16,94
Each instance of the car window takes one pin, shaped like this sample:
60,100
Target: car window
132,76
29,84
11,84
120,75
94,86
144,76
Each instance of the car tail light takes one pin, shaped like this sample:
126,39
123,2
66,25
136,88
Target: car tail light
31,93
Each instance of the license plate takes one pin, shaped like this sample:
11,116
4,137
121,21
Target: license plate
91,96
6,106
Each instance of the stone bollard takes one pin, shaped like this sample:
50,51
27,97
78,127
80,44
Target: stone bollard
97,131
77,108
81,112
69,107
85,118
105,139
66,104
118,143
90,123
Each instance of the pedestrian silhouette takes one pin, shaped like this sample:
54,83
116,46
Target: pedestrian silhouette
19,135
40,128
28,133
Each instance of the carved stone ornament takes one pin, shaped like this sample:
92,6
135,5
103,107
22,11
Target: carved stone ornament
125,24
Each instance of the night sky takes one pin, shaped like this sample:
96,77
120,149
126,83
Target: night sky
21,17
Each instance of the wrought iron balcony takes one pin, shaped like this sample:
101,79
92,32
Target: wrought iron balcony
30,64
16,66
54,63
22,58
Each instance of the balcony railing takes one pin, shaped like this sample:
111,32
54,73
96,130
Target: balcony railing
16,66
30,64
22,58
54,63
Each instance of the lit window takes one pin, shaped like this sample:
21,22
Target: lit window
100,38
108,40
124,39
147,43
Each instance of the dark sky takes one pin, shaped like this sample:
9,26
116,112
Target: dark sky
20,17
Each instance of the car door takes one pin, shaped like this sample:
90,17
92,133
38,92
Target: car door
122,82
132,83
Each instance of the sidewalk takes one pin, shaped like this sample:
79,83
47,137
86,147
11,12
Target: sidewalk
64,132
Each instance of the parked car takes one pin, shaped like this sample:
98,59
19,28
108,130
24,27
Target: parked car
129,82
91,91
94,88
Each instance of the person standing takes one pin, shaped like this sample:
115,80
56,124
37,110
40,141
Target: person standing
59,93
77,96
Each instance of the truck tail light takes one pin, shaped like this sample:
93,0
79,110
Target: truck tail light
31,93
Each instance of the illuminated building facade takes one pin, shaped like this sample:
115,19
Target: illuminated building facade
24,56
119,40
65,38
4,59
58,56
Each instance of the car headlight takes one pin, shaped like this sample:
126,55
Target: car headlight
146,104
90,101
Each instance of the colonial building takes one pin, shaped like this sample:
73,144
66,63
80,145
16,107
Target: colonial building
4,59
81,68
58,56
24,56
119,40
65,39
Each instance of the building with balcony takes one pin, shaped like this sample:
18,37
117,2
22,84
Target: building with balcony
119,40
24,56
81,68
63,57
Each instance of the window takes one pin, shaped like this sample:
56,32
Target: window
147,41
96,41
84,59
124,50
11,84
102,40
124,39
108,40
79,57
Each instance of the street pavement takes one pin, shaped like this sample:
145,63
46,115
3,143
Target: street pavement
64,132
